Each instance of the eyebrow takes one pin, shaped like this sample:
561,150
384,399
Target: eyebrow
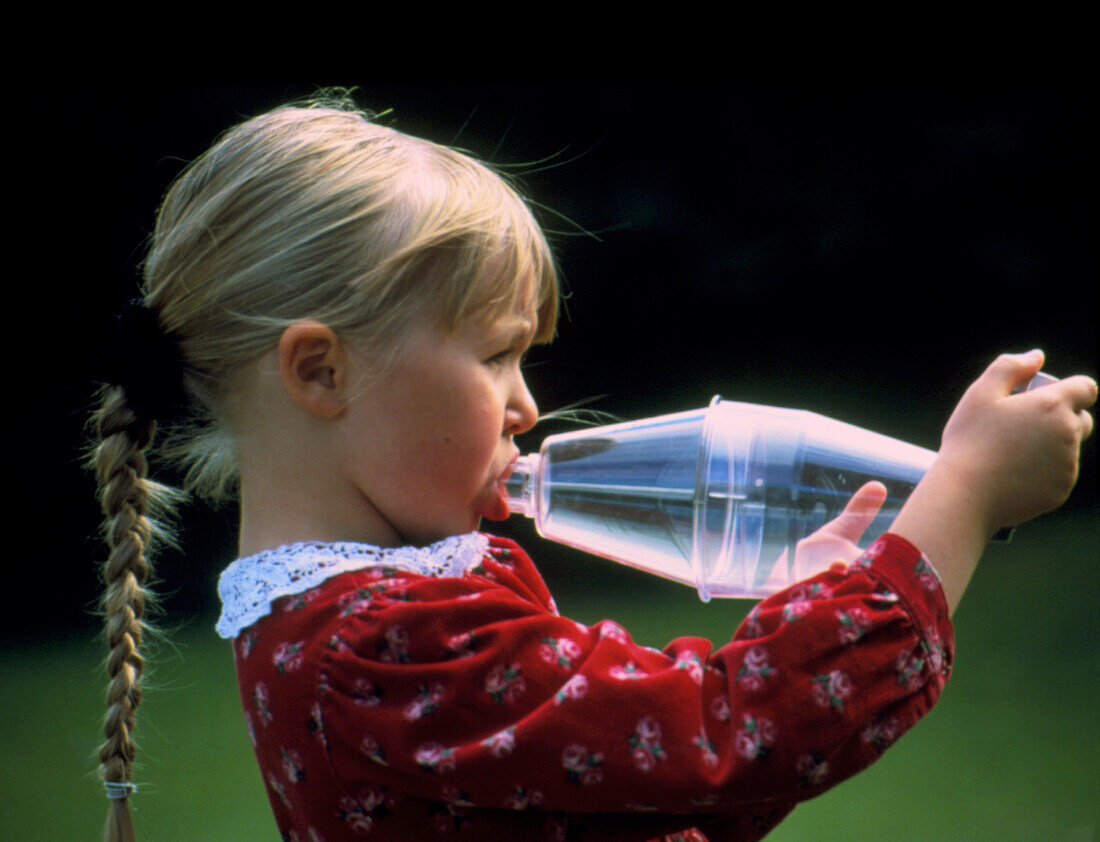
518,330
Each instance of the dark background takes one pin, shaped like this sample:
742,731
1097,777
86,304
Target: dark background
857,251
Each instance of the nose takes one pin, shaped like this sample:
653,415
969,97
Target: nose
521,414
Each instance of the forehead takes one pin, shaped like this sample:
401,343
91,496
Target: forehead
504,300
512,325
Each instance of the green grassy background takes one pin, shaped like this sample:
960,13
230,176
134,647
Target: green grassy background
1009,754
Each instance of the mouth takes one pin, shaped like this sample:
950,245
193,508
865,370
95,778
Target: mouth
498,508
509,469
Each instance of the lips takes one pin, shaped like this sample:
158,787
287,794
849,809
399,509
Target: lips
497,508
509,469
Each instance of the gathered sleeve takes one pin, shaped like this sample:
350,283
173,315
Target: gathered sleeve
475,690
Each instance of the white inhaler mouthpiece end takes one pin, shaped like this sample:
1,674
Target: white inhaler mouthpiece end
519,485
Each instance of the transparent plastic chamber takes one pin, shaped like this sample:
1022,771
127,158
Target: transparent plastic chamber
719,498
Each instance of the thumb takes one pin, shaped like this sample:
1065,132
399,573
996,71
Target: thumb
1011,370
860,511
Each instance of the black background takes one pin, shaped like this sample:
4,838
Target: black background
858,251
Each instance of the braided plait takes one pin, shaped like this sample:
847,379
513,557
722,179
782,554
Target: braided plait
124,497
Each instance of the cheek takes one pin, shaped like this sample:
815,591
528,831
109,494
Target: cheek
474,439
442,434
459,442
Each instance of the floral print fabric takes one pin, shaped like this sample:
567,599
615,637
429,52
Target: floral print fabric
386,704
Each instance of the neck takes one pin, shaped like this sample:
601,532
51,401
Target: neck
281,506
280,526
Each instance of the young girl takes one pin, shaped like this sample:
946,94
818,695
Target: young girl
333,321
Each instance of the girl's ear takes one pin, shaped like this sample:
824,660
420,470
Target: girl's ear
313,364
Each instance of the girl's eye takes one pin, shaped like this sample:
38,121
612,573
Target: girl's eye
507,356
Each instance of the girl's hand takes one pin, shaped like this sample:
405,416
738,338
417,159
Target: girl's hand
1020,452
1004,459
837,540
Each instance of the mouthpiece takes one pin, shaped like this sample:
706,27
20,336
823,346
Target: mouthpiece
519,486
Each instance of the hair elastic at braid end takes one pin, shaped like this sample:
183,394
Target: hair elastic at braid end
120,790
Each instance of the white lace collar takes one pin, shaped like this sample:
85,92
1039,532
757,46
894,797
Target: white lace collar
249,585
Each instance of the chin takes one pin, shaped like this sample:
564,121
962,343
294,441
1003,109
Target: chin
472,525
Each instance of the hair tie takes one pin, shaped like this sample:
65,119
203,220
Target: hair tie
119,790
145,361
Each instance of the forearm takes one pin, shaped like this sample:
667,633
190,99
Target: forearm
946,519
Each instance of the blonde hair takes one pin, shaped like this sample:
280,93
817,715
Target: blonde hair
310,211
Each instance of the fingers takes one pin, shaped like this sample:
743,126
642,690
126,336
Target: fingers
1011,370
1073,395
1018,453
838,539
860,512
1080,390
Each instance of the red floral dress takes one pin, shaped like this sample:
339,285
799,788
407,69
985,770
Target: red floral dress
456,703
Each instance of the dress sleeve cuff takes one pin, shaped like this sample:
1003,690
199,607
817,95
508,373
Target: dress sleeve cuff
913,579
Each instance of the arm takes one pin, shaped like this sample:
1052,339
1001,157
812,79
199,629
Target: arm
492,693
1004,459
